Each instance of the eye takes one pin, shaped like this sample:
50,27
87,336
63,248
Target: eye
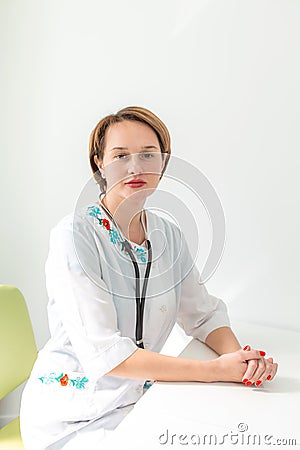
120,156
147,155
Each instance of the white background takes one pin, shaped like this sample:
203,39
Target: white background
223,76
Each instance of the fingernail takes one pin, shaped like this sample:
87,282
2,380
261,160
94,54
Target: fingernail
248,383
246,347
245,380
262,353
269,377
257,383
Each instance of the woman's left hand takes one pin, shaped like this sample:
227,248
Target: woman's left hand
259,370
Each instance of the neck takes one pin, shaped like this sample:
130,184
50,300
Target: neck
127,215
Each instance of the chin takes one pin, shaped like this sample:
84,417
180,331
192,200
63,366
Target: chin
140,194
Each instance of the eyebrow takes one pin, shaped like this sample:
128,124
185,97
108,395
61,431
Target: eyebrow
145,147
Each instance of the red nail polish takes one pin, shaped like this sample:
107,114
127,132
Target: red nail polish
245,380
262,353
269,377
257,383
246,347
248,383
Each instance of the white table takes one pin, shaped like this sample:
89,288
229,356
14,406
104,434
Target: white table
179,415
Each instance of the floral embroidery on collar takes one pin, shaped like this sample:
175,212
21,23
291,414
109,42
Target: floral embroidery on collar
115,238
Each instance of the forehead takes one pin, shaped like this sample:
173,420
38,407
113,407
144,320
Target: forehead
129,133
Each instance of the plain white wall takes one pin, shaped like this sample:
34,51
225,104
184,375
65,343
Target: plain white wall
224,76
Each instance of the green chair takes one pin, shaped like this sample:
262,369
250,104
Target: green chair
17,355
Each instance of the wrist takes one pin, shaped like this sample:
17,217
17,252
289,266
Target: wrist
208,371
214,370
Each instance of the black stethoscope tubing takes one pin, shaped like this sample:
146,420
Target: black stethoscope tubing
140,299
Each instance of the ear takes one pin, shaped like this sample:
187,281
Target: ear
97,162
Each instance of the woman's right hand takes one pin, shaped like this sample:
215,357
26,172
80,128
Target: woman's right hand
259,370
233,366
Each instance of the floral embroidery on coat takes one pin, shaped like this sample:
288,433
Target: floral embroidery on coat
65,380
96,212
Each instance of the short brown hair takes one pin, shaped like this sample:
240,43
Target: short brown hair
135,113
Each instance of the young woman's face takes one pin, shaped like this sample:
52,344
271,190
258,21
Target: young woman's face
132,152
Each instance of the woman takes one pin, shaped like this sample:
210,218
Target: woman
115,294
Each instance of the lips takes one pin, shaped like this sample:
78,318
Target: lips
135,181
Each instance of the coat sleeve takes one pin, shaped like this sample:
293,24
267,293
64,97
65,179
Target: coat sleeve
199,312
83,303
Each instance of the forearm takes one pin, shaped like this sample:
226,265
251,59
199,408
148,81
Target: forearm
147,365
222,340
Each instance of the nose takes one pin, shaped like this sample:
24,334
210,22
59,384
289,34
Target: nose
134,165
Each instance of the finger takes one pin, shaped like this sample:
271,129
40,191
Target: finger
247,347
273,372
268,374
257,374
270,371
252,354
273,369
251,369
263,370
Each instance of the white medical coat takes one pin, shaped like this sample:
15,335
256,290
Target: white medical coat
91,287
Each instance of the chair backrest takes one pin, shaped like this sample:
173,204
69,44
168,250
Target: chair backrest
17,344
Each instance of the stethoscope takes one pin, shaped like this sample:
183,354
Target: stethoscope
140,300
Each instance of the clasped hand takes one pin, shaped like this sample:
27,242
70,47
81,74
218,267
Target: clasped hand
248,366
